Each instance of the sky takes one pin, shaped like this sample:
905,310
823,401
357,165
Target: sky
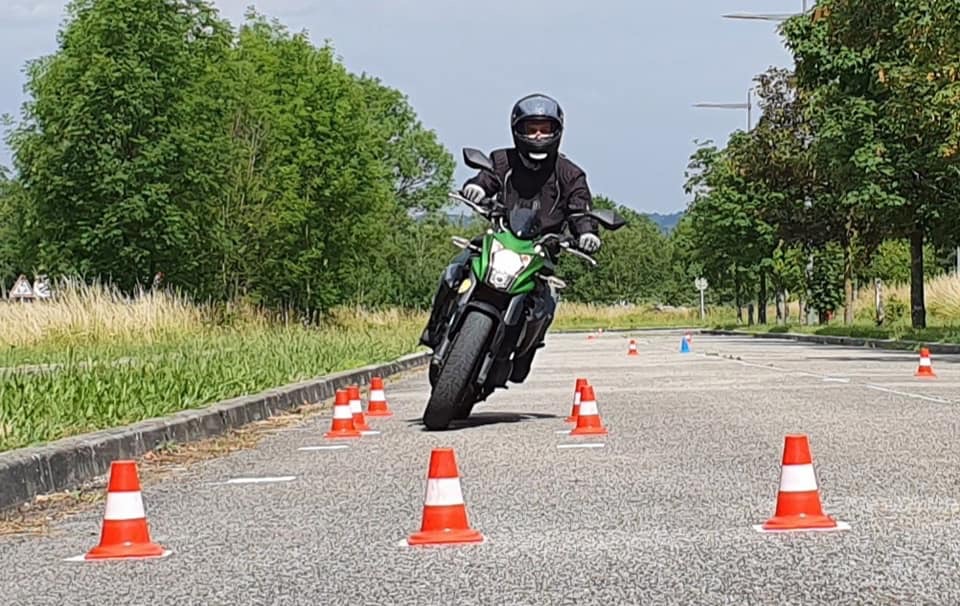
625,72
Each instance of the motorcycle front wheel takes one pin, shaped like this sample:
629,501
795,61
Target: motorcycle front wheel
453,382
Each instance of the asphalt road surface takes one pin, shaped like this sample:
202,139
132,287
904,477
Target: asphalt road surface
662,513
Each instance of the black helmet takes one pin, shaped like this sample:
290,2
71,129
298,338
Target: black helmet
527,112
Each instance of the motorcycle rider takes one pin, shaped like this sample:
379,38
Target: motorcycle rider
535,175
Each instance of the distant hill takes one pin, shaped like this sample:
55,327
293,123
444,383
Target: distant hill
666,222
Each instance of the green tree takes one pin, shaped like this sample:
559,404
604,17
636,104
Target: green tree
884,81
631,265
421,167
120,144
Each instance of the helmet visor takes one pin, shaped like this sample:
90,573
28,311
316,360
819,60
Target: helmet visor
538,128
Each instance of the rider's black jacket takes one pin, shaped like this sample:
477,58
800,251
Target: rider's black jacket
559,188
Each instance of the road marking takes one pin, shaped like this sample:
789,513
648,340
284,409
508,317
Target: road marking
827,378
260,480
337,447
580,445
563,431
369,432
907,394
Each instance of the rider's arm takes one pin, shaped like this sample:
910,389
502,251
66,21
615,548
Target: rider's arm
486,181
580,199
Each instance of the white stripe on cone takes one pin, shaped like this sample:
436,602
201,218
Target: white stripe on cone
925,362
798,478
444,491
377,395
576,398
342,412
355,406
124,506
588,408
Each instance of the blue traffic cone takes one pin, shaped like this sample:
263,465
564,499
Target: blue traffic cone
684,345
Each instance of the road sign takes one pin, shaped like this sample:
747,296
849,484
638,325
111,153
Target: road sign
701,284
41,287
21,290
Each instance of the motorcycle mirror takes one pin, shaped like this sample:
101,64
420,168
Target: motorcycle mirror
608,218
474,158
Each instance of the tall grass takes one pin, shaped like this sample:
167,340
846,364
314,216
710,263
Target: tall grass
941,294
585,315
84,314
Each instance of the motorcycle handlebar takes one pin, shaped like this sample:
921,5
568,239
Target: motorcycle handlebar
566,242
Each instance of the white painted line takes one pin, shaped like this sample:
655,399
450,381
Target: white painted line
580,445
827,378
337,447
369,432
81,558
839,526
260,480
563,431
904,393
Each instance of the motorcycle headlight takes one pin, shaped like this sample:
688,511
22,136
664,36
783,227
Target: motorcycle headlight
505,265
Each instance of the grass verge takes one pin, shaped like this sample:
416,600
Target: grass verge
174,357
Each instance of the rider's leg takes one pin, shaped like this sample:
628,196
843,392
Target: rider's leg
546,300
444,297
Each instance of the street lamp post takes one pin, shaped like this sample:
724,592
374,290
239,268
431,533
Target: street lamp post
766,16
747,106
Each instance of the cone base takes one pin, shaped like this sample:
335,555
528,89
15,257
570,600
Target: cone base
341,433
839,527
799,522
361,426
377,411
925,375
126,550
445,537
589,431
571,419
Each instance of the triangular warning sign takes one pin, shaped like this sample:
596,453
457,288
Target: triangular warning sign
21,290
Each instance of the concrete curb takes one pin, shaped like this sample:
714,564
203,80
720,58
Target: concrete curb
69,463
891,344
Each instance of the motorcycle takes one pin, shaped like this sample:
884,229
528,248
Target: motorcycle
490,325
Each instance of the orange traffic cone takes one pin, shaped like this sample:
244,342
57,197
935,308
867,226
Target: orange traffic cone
342,424
444,511
377,401
588,420
632,351
124,533
798,500
356,409
575,411
926,366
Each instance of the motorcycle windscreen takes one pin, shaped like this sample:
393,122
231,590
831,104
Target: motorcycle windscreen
524,223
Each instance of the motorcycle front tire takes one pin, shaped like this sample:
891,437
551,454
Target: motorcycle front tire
452,384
